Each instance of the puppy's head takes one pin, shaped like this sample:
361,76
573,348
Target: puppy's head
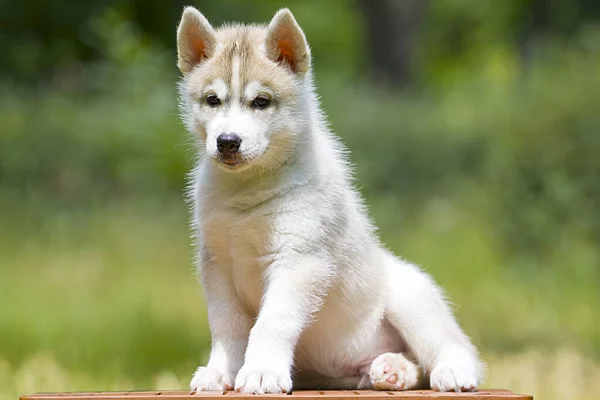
243,92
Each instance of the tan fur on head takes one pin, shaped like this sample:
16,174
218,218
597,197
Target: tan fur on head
196,39
286,42
236,63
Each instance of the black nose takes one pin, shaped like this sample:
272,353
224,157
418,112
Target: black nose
228,143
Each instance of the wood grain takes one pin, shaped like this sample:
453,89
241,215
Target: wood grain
497,394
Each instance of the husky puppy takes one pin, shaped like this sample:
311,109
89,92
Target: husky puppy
300,292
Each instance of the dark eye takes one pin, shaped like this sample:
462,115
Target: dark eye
261,102
213,101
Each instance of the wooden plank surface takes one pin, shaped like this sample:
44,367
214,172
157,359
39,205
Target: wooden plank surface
484,394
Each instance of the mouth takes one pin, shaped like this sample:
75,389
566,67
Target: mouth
230,161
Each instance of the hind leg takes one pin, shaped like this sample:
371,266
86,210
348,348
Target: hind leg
392,371
418,310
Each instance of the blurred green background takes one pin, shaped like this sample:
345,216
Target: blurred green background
474,126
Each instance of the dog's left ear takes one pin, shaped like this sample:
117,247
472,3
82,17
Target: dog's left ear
286,43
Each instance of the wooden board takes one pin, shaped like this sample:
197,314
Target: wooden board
497,394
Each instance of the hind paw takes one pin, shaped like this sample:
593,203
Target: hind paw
392,371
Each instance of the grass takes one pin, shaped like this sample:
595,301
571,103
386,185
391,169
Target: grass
104,298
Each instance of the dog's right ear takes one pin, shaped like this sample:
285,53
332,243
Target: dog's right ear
286,43
196,39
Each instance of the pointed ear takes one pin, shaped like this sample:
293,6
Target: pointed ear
196,39
286,43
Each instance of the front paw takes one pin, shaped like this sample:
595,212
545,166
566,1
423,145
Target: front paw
261,380
211,379
454,376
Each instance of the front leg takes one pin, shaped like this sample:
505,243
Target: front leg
295,288
229,327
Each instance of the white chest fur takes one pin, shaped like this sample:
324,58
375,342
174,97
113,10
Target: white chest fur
238,243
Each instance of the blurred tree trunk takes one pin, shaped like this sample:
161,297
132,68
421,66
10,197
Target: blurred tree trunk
563,19
392,27
537,20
